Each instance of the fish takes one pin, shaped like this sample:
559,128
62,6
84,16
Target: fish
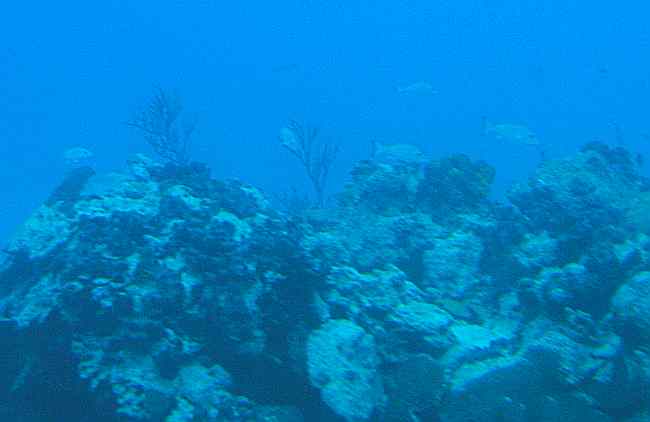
77,157
288,139
396,153
420,88
510,132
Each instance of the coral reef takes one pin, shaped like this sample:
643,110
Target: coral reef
161,294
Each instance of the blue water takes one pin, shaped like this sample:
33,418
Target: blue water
72,72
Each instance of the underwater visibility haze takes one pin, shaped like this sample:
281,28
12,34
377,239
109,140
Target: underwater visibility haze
324,211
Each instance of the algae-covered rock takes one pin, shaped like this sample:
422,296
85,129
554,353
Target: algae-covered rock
631,309
343,364
454,184
579,196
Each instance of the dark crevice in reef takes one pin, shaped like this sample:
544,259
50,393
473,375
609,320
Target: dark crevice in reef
46,384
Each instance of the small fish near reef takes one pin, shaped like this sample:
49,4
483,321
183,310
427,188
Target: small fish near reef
511,133
417,88
396,153
78,157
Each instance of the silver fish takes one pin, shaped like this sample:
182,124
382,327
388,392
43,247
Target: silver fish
512,133
420,88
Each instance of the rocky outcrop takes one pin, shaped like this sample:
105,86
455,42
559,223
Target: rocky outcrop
161,294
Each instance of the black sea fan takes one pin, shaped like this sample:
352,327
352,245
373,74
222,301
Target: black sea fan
163,128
